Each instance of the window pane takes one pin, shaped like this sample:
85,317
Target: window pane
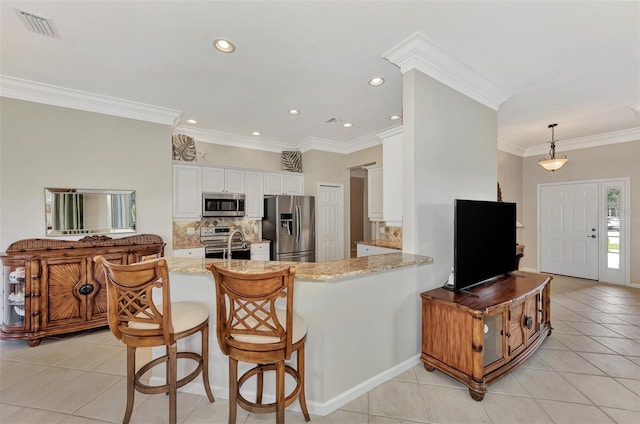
613,228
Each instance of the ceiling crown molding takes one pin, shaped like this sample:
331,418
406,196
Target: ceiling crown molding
390,132
418,52
623,136
314,143
32,91
510,147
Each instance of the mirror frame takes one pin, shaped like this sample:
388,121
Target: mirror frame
49,212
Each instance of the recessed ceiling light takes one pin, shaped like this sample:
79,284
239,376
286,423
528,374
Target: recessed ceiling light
375,81
293,112
256,133
394,117
191,121
347,125
225,46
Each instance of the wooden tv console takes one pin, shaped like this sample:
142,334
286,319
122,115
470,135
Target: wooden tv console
479,337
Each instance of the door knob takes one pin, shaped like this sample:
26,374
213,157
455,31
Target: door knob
592,236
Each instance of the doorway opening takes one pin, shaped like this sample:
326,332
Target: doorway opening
359,223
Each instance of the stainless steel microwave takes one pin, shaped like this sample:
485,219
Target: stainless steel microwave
222,204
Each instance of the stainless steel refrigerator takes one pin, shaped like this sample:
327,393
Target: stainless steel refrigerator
290,223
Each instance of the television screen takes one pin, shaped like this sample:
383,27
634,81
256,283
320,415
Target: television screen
484,241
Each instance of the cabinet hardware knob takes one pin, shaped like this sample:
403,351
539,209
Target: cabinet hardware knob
86,289
528,322
508,333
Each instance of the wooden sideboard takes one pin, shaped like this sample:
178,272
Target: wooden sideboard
54,287
480,336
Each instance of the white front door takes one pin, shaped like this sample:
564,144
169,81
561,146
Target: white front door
569,233
330,222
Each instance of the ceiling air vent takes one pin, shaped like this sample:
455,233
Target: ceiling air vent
37,24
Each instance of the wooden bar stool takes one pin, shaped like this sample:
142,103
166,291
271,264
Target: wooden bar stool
138,321
251,329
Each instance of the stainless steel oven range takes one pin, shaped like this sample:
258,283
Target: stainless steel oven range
216,243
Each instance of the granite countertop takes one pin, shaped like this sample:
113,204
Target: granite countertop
318,271
258,241
390,244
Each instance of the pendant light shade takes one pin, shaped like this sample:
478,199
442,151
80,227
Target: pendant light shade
553,163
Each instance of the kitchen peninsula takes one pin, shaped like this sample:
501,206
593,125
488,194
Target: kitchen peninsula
362,314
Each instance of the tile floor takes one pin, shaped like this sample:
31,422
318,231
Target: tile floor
587,371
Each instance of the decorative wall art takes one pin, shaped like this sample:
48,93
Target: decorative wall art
292,161
184,148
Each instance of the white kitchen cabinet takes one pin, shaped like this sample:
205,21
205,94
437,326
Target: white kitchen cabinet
368,250
374,193
254,198
283,183
223,180
260,251
392,187
196,252
187,191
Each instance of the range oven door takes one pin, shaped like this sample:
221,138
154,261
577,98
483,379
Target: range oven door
216,253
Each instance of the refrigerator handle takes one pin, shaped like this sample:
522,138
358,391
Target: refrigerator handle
298,217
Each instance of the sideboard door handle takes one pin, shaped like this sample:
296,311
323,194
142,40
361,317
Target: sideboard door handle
528,322
86,289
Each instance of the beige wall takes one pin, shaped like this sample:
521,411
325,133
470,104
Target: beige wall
612,161
230,156
49,146
510,179
449,152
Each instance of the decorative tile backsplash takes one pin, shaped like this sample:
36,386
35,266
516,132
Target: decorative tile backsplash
186,234
390,233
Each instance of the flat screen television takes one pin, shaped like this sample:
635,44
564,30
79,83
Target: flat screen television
484,241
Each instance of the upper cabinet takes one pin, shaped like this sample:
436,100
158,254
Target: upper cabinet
191,180
392,187
374,193
253,202
187,191
223,180
283,183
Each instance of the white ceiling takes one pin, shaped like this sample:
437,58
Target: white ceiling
575,63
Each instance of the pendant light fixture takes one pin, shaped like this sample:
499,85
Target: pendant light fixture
553,163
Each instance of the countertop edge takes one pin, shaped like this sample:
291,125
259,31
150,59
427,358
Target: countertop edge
307,271
389,244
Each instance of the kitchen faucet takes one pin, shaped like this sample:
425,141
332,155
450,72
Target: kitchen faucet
233,233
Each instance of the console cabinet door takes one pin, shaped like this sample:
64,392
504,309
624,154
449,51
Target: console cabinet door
516,332
494,344
532,316
61,283
97,299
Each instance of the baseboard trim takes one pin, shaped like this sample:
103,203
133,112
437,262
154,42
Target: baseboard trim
315,408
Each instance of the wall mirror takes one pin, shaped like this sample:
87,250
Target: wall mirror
71,211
